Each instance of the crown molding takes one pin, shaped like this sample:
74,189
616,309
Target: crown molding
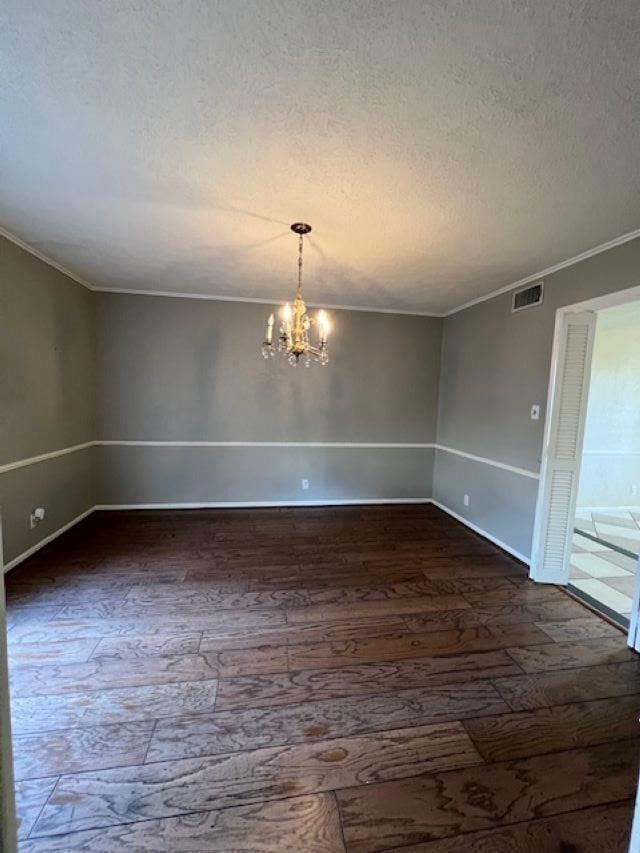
583,256
603,247
176,294
45,258
12,238
186,295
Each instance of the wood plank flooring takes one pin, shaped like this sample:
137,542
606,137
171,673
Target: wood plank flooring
331,680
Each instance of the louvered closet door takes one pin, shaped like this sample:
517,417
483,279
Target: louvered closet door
559,477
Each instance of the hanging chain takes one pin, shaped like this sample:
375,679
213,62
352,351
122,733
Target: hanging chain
299,264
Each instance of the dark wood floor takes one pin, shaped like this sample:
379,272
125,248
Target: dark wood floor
313,680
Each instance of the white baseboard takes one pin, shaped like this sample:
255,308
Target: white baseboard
259,504
476,529
208,505
25,554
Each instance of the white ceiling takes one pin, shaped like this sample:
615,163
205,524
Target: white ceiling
440,150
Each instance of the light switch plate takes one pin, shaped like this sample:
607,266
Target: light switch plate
535,412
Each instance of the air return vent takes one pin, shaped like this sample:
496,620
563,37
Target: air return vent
527,297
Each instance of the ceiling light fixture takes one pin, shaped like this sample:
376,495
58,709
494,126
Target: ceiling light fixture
293,340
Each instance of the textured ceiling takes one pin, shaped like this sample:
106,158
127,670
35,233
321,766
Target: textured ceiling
441,150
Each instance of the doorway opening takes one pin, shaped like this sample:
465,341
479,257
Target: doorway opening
606,528
587,530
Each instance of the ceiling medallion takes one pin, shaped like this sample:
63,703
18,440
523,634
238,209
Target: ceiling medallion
293,339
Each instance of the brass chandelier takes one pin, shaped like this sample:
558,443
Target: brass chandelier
293,339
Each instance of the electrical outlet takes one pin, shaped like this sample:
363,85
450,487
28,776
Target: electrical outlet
465,500
37,515
535,412
305,484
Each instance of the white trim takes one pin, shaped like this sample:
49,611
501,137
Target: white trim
21,463
44,258
608,300
483,532
597,303
204,505
523,472
263,504
583,256
12,563
33,460
404,312
603,247
43,457
177,294
331,444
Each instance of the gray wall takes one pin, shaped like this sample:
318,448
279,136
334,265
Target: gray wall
160,475
495,365
65,486
187,369
501,503
47,395
173,369
77,366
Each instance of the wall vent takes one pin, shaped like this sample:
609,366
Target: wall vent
527,297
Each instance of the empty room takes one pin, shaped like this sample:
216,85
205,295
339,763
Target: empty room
319,426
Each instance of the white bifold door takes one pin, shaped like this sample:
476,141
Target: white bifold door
562,450
562,456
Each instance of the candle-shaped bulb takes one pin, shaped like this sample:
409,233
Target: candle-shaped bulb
286,313
324,325
269,337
